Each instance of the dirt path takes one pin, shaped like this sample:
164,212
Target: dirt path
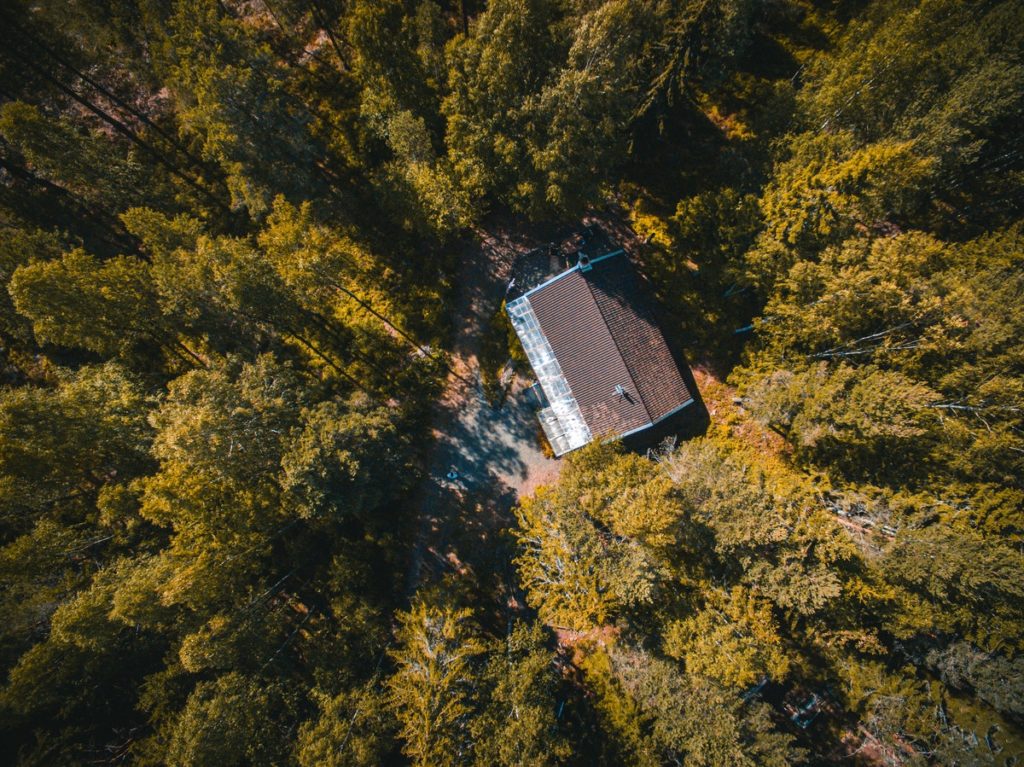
495,451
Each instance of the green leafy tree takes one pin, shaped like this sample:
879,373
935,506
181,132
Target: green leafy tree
561,564
939,73
517,725
596,543
490,84
946,578
733,639
235,100
233,720
850,417
399,58
353,728
662,716
580,120
996,678
64,444
345,459
85,164
767,531
906,716
827,189
908,315
433,689
107,307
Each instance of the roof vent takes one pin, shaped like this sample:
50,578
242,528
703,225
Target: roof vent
584,263
620,390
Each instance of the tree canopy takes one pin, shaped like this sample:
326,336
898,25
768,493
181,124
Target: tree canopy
234,242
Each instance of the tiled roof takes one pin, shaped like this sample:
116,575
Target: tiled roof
620,297
612,355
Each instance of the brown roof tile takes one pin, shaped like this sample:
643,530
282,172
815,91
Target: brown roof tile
603,333
620,297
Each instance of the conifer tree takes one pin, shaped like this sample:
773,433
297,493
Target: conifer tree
434,688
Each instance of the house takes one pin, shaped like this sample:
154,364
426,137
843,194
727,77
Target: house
603,368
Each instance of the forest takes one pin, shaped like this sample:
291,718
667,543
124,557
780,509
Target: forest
232,234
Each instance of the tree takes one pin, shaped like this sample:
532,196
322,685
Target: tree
66,443
347,460
234,98
936,72
354,727
827,189
733,639
855,418
766,531
560,564
350,294
81,162
600,541
19,247
107,307
947,577
420,177
667,714
911,315
230,721
908,717
699,44
72,692
580,120
433,688
882,301
489,88
517,725
400,61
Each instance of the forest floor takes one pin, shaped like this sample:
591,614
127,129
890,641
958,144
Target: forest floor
495,450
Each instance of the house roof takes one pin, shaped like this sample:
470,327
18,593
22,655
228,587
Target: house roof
611,356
